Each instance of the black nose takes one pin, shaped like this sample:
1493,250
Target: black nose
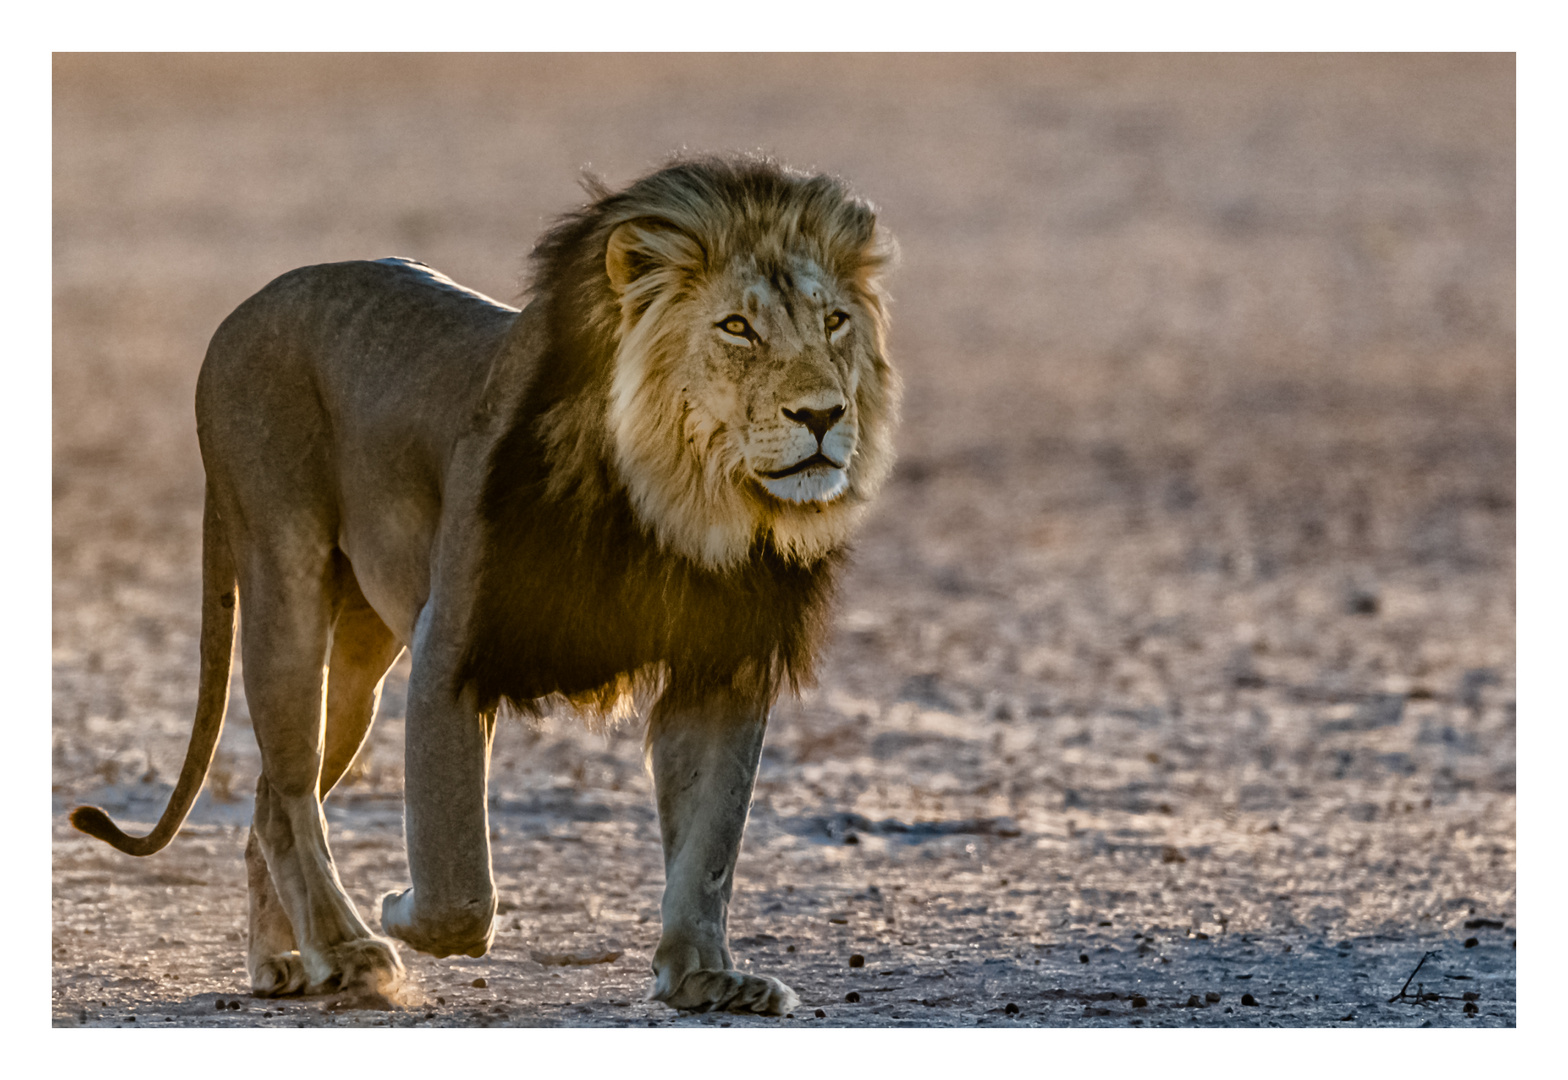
816,421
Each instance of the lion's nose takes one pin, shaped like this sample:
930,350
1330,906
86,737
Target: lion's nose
816,421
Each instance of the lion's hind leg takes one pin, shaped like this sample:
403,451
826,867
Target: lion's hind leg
362,651
272,955
285,638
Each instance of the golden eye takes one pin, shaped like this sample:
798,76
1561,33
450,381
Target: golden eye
737,326
836,320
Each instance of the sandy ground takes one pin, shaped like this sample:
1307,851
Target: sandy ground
1174,682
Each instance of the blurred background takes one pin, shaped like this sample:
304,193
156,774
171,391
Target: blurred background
1190,605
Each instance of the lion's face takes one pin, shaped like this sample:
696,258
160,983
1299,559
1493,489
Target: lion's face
777,367
750,398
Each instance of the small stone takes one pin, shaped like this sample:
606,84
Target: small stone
1471,1009
1211,997
857,961
851,839
1471,942
790,948
1471,995
852,997
440,1001
220,1004
789,1016
1083,958
1011,1010
1193,1002
1361,602
1139,1001
820,1014
267,1013
130,1019
430,1016
479,984
1248,999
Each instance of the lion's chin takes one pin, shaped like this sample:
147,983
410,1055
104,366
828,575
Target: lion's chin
820,484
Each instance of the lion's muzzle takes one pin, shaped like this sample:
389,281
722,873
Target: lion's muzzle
820,438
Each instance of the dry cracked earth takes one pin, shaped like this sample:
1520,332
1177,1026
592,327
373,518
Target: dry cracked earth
1174,681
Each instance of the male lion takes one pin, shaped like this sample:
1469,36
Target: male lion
643,481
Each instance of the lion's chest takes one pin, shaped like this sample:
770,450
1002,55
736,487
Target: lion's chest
574,613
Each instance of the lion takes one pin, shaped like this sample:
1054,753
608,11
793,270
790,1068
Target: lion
640,487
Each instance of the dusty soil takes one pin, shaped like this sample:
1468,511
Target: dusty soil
1178,660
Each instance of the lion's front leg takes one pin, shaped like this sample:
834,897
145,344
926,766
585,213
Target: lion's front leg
705,755
451,907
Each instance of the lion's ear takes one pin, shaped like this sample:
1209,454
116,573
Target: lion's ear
646,244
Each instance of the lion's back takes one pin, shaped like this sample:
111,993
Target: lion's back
370,351
369,324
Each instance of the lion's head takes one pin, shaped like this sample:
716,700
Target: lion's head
748,395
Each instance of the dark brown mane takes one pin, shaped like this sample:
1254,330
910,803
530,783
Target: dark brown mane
575,593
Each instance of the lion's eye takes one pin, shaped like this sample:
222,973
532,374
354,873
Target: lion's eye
836,320
737,326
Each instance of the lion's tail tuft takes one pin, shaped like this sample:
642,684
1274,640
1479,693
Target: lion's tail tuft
94,822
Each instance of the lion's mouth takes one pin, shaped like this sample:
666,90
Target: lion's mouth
811,462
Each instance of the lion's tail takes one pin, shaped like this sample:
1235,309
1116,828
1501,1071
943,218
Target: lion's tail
219,609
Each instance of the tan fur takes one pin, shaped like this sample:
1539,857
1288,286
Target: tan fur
367,430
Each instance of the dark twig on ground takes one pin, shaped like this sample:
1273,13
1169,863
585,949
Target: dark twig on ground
1422,996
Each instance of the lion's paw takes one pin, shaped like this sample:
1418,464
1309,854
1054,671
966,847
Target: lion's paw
731,991
368,965
465,932
277,975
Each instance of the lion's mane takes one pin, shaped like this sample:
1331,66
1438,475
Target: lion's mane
620,552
